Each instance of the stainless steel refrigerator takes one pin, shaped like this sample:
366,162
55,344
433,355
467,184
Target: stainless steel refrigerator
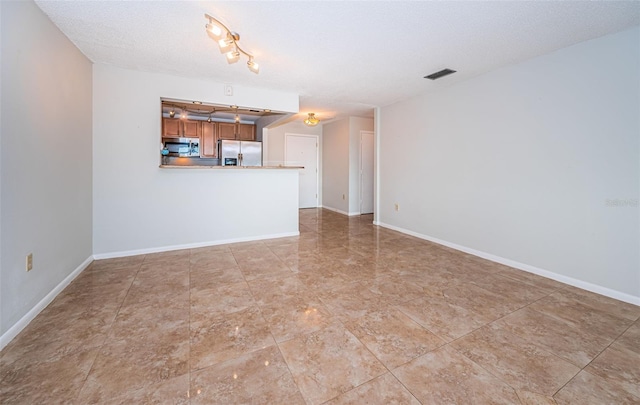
240,153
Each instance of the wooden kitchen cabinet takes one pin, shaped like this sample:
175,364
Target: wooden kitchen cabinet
226,130
170,128
177,128
209,140
246,132
191,129
240,132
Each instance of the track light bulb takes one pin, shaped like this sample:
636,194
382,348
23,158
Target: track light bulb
214,29
225,44
237,118
233,56
172,113
254,67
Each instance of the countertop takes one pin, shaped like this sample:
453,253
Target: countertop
230,167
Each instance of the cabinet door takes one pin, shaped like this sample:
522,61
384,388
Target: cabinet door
170,127
209,140
246,132
226,130
191,128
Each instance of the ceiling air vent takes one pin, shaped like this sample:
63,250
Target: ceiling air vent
442,73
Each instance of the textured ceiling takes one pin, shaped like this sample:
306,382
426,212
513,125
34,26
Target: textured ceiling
343,58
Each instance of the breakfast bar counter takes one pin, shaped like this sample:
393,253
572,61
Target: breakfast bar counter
218,167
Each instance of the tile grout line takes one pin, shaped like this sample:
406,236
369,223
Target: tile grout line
389,371
449,343
595,357
108,332
284,359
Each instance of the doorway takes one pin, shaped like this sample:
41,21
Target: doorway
302,150
366,172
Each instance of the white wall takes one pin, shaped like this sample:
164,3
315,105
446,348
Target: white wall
263,123
335,165
140,207
46,162
356,124
274,143
341,145
523,163
276,139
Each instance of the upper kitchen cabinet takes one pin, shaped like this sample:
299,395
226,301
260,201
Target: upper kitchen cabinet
211,132
240,132
191,129
170,127
179,128
226,130
246,132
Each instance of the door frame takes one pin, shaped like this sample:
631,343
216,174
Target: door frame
373,174
318,162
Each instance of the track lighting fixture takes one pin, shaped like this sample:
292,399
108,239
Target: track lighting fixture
228,43
311,120
172,112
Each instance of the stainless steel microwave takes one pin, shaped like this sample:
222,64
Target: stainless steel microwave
182,147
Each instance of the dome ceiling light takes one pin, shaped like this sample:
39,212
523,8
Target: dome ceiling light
311,120
228,43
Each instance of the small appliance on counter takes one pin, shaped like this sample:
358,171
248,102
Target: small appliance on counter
240,153
182,147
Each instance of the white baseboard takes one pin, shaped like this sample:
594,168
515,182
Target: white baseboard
349,214
13,331
631,299
136,252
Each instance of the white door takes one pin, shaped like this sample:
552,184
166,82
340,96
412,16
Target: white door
302,150
366,172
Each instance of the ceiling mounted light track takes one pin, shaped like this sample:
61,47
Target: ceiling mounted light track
311,120
228,43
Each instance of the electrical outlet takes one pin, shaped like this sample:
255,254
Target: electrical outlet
344,197
29,261
397,206
228,90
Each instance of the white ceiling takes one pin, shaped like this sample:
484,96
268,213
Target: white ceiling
344,57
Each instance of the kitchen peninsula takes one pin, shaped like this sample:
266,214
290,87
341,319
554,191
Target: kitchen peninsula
236,198
142,208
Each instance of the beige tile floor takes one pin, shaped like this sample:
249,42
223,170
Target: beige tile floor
347,313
